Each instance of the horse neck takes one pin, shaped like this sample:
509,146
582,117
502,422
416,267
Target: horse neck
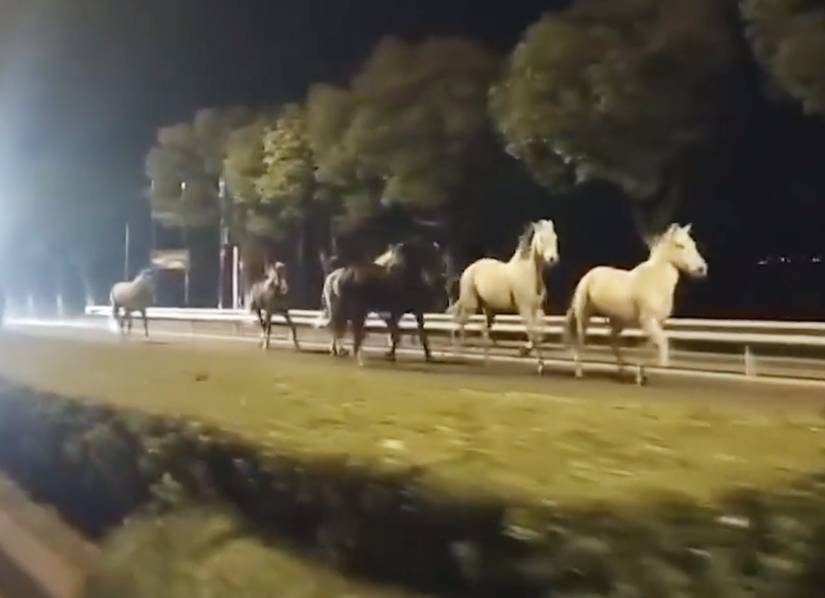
667,274
531,262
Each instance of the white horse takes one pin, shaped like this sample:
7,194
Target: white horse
497,287
640,297
330,295
133,296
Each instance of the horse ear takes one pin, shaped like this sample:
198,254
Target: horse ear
687,227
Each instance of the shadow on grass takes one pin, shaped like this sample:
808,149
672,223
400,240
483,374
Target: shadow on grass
99,465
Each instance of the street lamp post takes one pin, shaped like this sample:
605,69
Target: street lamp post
126,244
223,240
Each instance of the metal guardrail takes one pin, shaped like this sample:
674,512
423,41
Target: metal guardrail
741,332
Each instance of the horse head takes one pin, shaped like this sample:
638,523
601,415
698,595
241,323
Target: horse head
420,259
678,247
146,276
277,278
539,239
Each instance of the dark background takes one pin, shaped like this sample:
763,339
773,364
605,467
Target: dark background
91,81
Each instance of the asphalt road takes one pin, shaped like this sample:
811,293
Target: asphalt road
598,360
601,381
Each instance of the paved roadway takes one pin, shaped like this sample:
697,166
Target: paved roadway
600,379
599,360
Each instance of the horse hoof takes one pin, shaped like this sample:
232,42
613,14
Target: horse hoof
540,369
579,374
524,351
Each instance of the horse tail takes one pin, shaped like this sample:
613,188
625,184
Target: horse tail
574,319
325,316
467,301
115,305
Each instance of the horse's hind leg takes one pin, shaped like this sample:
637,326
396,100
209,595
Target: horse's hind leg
129,322
615,344
337,329
392,325
292,329
489,318
358,333
582,321
262,324
422,335
145,322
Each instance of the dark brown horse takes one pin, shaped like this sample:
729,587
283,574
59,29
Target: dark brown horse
270,296
407,283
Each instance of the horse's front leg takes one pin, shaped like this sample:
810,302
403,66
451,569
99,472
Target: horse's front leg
532,322
262,324
129,322
145,322
392,325
422,335
268,336
292,329
656,333
528,346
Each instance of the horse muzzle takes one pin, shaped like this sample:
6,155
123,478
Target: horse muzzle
701,271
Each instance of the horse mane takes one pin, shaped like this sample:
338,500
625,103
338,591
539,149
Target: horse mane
656,241
526,239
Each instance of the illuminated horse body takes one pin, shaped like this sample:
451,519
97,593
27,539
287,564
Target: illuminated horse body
133,296
640,297
497,287
270,296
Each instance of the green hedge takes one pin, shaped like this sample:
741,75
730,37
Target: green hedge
99,466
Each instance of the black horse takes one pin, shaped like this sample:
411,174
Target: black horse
408,283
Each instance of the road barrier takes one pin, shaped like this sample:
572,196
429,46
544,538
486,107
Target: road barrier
745,338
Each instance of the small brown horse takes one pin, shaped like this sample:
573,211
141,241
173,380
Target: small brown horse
407,283
270,296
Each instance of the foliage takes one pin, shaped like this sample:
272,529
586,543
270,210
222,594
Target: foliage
186,163
615,91
406,128
286,185
788,38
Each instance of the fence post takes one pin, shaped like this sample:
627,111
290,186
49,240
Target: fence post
750,362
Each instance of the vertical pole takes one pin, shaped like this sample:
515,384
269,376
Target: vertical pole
186,287
126,243
235,273
222,240
750,365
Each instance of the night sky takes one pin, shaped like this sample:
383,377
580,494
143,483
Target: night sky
92,80
99,77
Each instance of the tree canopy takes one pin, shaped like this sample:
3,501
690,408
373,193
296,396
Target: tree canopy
186,163
788,38
407,127
615,91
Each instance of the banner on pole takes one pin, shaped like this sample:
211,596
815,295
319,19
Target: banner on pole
171,259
